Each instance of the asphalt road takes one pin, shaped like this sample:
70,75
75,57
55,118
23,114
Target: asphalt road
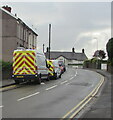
52,99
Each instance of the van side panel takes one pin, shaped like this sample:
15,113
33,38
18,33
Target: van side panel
41,62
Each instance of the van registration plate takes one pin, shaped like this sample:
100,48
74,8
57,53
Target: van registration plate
19,76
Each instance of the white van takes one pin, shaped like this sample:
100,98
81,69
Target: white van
57,69
29,64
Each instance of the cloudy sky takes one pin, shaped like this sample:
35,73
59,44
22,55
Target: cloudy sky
74,24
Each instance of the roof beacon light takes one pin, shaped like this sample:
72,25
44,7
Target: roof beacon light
21,48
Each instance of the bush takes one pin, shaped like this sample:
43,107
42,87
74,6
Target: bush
85,62
109,48
93,63
5,65
110,62
93,60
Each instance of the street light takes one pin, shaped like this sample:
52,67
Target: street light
49,39
97,53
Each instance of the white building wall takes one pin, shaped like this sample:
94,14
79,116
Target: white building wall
66,61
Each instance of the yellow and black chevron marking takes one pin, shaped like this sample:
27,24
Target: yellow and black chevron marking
51,68
24,62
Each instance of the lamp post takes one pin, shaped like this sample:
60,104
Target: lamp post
49,39
97,52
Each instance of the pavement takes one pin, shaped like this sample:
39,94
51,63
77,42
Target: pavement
6,82
102,107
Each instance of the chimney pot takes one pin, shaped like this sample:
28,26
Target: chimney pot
7,8
82,50
73,49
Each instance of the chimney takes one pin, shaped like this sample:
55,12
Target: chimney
73,49
82,50
7,8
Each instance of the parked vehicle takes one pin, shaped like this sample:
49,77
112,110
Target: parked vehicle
28,64
62,66
54,69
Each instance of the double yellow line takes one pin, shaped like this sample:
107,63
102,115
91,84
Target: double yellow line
8,87
74,111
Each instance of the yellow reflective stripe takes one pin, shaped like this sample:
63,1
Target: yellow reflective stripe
15,58
19,69
30,58
51,69
50,73
50,64
16,61
24,65
18,64
15,55
32,71
30,64
18,58
23,71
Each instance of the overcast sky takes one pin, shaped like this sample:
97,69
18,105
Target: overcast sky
74,24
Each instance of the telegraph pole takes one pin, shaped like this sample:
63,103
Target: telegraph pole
49,39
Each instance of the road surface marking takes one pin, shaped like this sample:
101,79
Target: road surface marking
73,115
28,96
67,83
51,87
63,82
4,88
71,78
86,100
97,89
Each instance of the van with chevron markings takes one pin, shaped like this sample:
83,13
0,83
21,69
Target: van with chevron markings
29,65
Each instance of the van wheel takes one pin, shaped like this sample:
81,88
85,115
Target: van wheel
38,80
55,76
48,78
17,81
60,76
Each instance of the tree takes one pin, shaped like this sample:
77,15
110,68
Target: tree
109,48
100,54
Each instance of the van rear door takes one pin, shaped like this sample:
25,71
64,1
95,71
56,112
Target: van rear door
24,63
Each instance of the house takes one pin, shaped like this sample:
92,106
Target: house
69,58
15,33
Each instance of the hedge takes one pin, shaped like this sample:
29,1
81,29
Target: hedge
5,65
